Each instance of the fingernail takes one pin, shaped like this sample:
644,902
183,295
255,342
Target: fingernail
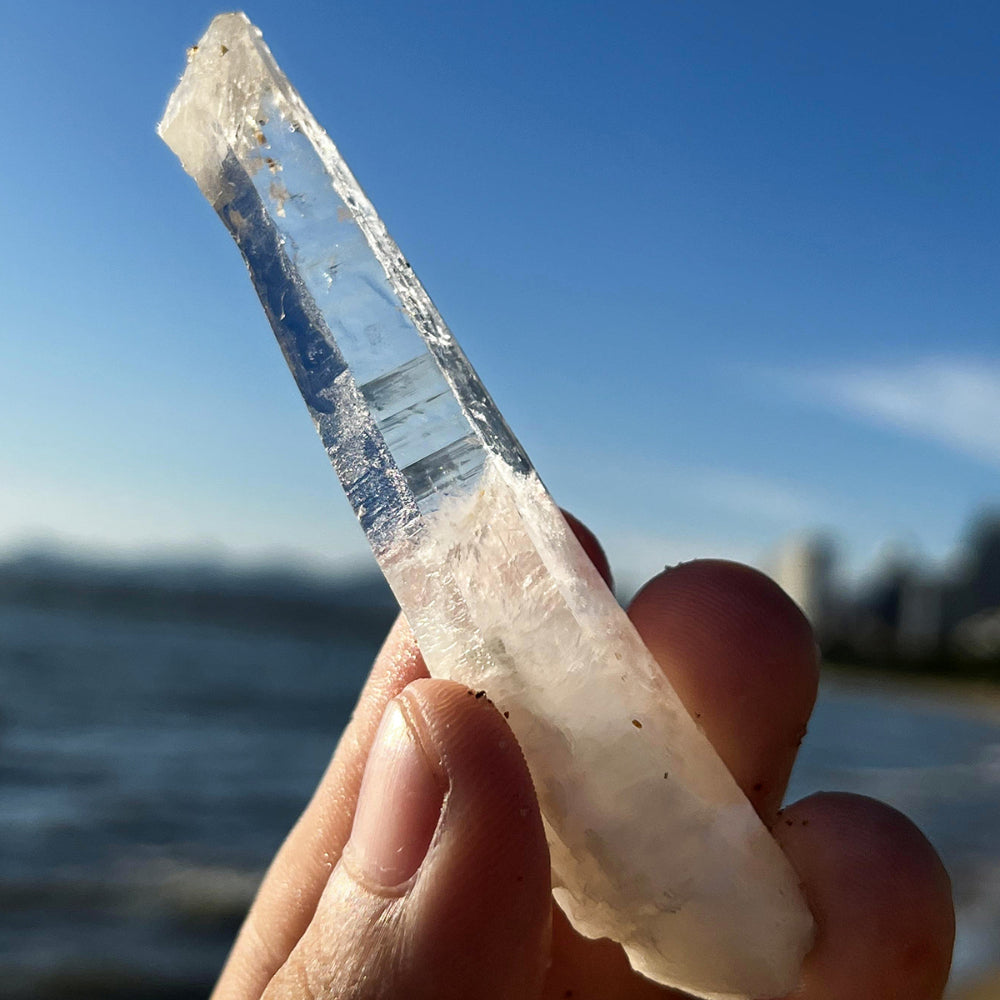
398,807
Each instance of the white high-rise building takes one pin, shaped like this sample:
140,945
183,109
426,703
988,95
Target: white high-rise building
803,568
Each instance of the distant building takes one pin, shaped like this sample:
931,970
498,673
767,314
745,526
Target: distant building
904,611
803,568
978,579
898,613
920,620
978,635
972,611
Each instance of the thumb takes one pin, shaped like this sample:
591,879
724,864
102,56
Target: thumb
443,888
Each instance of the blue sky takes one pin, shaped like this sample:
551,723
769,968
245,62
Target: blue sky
731,270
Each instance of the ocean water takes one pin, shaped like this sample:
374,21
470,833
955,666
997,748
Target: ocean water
150,768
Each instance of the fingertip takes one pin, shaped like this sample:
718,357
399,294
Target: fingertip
742,658
709,607
880,895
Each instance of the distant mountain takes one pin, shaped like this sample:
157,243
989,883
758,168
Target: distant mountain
271,597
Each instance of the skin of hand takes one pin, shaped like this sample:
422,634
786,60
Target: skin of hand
420,870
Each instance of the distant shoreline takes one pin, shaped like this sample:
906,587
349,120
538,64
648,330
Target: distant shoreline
966,694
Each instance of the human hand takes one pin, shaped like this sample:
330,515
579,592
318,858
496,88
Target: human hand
442,888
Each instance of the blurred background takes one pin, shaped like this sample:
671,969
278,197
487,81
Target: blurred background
731,272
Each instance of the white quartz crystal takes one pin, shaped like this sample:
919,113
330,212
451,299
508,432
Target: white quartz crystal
652,843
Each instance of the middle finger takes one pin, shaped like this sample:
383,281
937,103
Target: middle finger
742,658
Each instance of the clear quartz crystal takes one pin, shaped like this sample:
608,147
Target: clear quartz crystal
652,843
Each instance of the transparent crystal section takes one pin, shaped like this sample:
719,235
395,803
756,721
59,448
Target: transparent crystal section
652,843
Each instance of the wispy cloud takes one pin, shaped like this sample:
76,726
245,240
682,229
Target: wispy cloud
763,498
747,494
954,401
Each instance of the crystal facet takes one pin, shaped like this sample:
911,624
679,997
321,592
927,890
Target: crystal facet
652,843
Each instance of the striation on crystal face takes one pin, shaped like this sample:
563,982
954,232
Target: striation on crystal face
652,843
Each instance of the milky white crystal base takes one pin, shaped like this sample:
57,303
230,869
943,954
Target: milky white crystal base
652,842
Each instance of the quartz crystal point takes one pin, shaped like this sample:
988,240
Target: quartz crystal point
652,843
